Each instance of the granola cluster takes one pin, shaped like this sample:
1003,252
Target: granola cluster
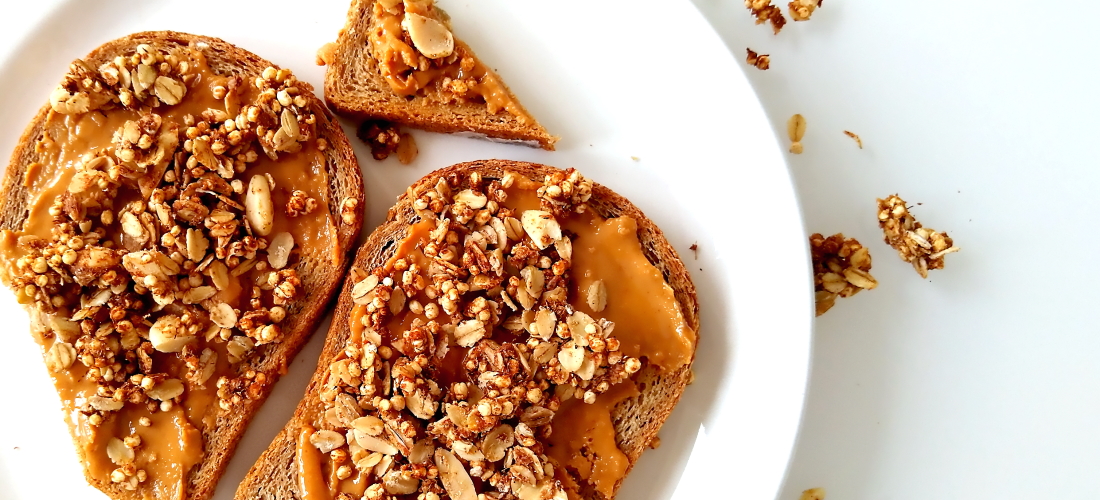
155,230
759,61
384,139
922,247
467,390
765,12
841,269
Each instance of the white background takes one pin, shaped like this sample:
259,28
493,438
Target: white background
982,381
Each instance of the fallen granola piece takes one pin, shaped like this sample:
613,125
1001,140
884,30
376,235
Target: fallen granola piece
801,10
796,129
859,142
813,493
917,245
761,61
382,137
766,12
841,268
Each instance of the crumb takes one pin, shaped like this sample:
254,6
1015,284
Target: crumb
382,137
406,149
796,129
326,53
801,10
841,269
655,443
859,142
760,61
813,494
635,158
695,248
922,247
766,12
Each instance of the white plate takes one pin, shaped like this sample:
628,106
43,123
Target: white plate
616,82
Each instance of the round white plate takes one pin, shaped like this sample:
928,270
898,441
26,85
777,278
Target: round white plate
647,101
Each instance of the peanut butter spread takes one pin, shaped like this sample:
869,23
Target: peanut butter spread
488,353
167,215
417,54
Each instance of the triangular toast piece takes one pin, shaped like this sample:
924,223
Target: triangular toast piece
398,61
172,254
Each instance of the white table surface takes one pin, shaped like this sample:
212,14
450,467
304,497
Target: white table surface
984,380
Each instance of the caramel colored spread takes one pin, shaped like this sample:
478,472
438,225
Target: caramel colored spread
489,352
100,202
311,481
456,75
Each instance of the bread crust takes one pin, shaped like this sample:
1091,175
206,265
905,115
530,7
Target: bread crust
355,88
637,420
318,274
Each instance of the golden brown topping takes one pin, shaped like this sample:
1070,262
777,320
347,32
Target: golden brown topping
801,10
841,269
766,12
760,61
922,247
383,138
813,494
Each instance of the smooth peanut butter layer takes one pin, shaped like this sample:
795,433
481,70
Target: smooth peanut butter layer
417,53
159,251
488,353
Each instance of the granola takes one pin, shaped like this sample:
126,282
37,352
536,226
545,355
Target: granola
463,351
760,61
841,269
801,10
922,247
160,228
764,12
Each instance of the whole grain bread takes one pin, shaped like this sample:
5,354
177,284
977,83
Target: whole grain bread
318,271
354,87
637,420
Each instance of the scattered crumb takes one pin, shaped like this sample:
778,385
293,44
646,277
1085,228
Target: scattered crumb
691,373
382,137
655,442
406,149
801,10
841,269
761,61
859,142
695,249
766,12
922,247
796,129
635,158
326,53
813,493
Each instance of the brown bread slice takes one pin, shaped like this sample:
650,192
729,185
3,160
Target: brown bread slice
637,420
318,274
355,88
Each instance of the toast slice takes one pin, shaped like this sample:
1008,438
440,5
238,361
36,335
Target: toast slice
633,409
136,207
377,71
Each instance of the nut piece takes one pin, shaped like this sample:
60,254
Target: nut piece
258,207
801,10
429,36
169,91
813,494
541,227
164,391
278,252
455,479
796,129
168,334
326,440
118,452
469,332
597,296
60,356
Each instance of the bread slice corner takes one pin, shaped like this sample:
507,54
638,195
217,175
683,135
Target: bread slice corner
355,88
